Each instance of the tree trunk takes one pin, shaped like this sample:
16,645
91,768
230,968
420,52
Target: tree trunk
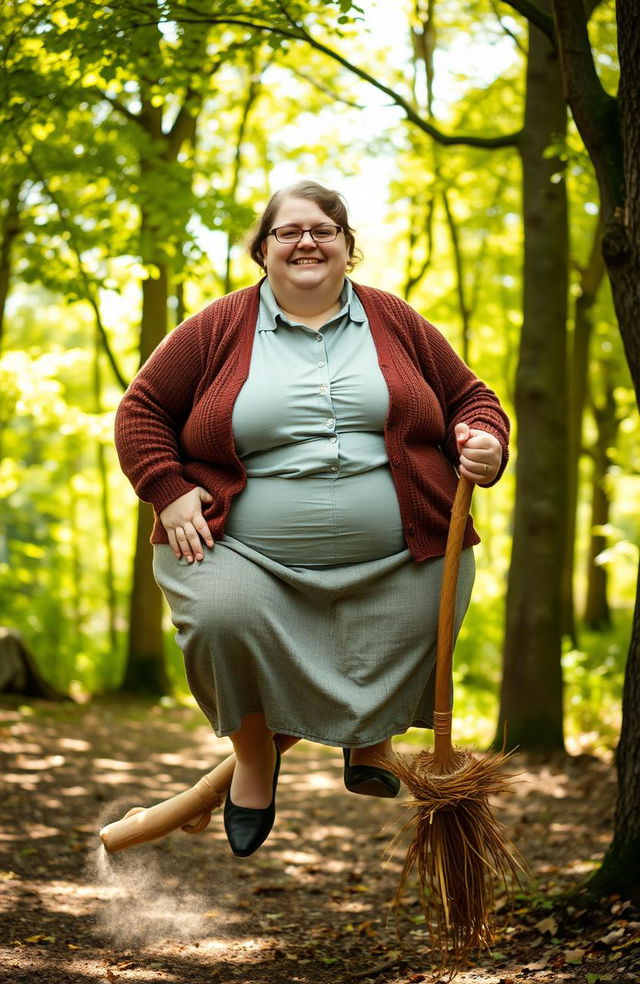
597,614
145,668
463,306
622,245
76,628
252,93
618,873
531,695
181,310
421,218
105,510
10,229
590,282
19,673
612,137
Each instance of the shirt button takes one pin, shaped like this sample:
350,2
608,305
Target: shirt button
323,389
334,468
318,338
333,440
330,422
321,365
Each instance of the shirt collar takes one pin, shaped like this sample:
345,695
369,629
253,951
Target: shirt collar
270,315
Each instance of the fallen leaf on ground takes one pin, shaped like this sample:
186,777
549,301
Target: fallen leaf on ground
548,925
612,937
573,956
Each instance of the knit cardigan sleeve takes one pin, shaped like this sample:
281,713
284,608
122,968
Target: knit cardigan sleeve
153,411
462,396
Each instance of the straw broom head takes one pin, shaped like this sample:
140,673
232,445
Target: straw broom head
458,848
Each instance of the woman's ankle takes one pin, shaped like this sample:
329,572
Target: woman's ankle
252,782
372,754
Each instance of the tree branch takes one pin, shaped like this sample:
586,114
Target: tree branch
88,286
413,279
460,278
521,48
595,112
324,89
116,104
183,129
299,34
535,15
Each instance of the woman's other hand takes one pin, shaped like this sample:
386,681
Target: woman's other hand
480,454
185,524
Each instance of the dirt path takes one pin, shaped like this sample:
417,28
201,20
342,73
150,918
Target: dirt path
311,906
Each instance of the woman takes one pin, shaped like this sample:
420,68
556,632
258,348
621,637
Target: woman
310,428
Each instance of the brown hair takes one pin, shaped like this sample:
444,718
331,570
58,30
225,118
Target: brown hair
332,204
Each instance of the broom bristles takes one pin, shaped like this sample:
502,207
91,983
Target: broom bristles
458,848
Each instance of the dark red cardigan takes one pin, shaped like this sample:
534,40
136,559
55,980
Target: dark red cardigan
173,427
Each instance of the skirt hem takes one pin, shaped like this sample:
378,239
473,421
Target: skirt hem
334,742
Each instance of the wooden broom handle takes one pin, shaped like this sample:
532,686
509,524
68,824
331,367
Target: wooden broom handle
446,613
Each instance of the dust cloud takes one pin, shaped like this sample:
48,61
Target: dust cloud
145,897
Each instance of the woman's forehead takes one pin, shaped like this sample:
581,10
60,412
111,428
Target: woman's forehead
296,210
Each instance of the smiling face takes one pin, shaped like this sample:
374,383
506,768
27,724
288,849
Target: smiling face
305,275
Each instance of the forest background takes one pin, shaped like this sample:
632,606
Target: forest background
140,140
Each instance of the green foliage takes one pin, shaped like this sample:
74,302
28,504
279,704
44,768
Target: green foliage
51,557
594,676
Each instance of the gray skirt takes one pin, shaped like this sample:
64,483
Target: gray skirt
340,656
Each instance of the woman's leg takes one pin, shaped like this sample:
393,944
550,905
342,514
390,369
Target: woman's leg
252,783
372,754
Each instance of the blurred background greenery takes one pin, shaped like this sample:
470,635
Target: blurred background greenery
137,147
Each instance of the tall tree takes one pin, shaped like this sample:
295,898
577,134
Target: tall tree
160,145
604,407
591,277
609,127
531,694
9,229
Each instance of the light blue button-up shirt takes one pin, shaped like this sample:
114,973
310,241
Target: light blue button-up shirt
313,409
315,402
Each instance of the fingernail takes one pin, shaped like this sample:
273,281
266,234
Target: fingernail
198,556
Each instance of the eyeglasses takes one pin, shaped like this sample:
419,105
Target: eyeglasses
289,234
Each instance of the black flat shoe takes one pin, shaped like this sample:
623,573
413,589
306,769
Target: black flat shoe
369,780
248,829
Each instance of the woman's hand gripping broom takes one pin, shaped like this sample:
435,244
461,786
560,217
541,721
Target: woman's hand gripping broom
458,847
